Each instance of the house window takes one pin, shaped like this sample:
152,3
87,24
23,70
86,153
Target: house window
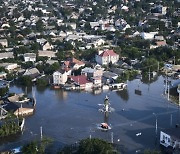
169,140
163,137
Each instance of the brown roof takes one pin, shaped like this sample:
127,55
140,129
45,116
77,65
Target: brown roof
107,53
75,61
161,43
81,79
72,62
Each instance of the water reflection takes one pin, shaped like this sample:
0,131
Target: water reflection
61,94
123,94
147,80
106,114
41,89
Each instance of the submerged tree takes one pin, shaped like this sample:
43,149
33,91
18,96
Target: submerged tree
37,147
90,146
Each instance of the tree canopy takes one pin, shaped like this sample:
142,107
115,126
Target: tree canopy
90,146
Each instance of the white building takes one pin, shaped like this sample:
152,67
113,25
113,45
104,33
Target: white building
30,57
9,66
107,56
47,46
6,55
4,42
148,36
59,77
49,54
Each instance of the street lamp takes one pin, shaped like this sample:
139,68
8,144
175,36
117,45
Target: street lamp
178,90
155,124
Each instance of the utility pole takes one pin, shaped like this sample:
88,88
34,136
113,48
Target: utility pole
158,67
166,83
41,133
112,138
168,90
149,75
156,125
171,121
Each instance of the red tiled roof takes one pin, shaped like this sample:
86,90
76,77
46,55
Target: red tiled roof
75,61
161,43
81,79
107,53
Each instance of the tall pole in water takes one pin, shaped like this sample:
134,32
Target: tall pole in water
156,124
165,83
178,90
168,90
112,138
149,75
41,133
171,121
158,67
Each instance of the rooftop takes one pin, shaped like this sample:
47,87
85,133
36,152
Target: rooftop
173,132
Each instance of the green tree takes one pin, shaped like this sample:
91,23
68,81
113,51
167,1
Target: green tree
147,151
3,91
27,14
39,26
30,148
25,80
37,147
149,63
89,54
94,146
90,146
35,46
9,125
42,82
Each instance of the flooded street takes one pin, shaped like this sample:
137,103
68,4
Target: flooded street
68,117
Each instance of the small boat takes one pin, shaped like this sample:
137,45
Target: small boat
104,126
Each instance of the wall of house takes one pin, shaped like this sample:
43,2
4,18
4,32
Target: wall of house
4,43
26,59
99,60
114,59
88,85
11,67
47,46
97,82
165,139
56,78
98,73
59,78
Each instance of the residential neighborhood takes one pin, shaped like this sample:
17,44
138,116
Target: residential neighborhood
88,46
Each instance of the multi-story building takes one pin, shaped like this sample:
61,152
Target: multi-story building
59,77
107,56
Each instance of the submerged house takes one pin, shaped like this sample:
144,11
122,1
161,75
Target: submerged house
33,73
60,77
20,104
170,138
81,82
